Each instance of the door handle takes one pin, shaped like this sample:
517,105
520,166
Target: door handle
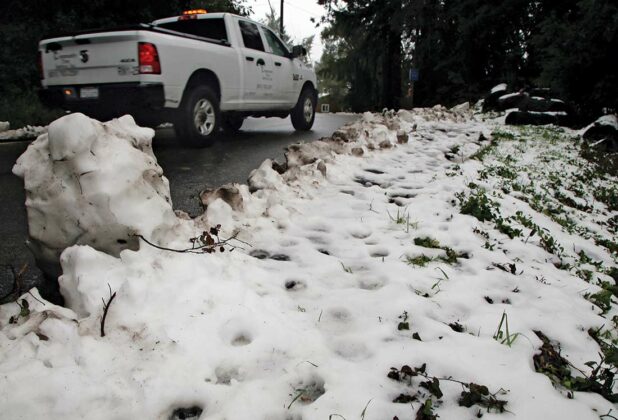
261,62
249,58
278,64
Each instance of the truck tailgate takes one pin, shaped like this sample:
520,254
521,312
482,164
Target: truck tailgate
94,58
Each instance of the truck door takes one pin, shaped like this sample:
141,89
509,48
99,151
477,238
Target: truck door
285,83
258,87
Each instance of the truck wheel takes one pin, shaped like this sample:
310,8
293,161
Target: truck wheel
303,113
232,124
199,118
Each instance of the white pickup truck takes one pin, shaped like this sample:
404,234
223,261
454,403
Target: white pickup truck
201,71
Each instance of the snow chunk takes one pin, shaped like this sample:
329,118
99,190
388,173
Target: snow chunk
71,136
464,107
499,88
93,183
509,95
4,126
265,177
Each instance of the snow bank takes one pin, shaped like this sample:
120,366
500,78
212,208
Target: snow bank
318,300
93,183
28,132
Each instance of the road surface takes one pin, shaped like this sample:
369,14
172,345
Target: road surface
189,171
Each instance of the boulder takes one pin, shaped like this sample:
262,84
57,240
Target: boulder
512,100
603,134
491,101
533,118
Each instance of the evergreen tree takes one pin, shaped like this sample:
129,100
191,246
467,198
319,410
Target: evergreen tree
576,48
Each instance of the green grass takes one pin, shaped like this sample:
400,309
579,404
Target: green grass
478,205
426,242
607,196
502,334
419,260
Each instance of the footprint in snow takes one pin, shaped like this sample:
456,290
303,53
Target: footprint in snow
293,285
371,283
309,389
351,350
226,373
360,232
186,413
237,332
379,252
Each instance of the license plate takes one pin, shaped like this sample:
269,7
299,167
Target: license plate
89,93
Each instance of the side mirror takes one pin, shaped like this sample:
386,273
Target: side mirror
298,51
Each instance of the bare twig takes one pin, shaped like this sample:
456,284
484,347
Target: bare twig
106,308
198,249
35,298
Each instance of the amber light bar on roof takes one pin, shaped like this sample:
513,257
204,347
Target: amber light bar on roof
195,12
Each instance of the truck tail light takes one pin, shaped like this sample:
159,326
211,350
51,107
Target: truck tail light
148,59
39,64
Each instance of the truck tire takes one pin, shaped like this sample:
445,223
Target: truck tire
198,120
232,124
303,113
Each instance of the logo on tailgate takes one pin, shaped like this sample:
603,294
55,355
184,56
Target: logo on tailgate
84,56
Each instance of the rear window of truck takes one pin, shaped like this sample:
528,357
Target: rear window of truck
206,28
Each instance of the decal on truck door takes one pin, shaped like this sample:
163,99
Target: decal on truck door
259,74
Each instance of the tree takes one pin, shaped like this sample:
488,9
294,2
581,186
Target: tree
273,21
370,54
575,49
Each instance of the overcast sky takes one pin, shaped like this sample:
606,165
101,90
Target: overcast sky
296,19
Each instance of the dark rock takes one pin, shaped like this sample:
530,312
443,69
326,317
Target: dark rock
543,92
603,134
513,100
538,104
534,118
491,100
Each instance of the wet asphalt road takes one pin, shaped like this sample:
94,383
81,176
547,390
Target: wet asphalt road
189,171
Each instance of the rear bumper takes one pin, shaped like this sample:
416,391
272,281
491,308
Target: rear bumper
113,99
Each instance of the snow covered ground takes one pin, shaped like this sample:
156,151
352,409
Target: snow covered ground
451,275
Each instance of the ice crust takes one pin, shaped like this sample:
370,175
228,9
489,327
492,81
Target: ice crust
310,300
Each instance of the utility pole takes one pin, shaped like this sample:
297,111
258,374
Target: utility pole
281,20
